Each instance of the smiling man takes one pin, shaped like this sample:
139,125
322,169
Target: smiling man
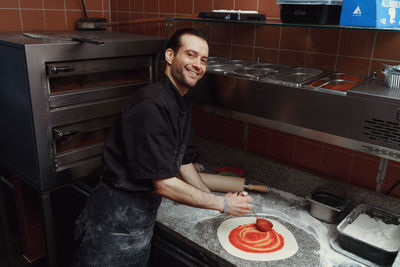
149,154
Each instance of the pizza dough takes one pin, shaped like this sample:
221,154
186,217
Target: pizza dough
289,249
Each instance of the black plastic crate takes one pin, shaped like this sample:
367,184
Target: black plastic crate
310,14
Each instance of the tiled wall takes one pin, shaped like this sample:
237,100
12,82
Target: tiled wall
355,51
47,15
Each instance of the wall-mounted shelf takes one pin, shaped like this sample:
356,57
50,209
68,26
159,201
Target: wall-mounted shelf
277,22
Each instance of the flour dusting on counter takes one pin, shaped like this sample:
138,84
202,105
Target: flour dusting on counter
374,231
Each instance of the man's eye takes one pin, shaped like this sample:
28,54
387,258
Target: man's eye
190,54
204,61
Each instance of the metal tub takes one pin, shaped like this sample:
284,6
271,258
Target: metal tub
326,206
363,249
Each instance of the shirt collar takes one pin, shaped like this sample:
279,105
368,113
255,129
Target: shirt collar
167,84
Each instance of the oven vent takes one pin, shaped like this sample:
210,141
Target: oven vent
382,131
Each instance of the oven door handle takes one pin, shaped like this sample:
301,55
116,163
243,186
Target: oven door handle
56,69
60,134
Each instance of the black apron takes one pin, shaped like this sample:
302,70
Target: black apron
116,226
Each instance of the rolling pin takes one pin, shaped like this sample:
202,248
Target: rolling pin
222,183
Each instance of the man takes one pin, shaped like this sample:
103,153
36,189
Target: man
149,154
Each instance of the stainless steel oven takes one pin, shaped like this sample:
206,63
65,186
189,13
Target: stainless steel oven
58,98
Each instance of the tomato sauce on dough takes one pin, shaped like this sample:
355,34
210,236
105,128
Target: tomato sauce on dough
249,239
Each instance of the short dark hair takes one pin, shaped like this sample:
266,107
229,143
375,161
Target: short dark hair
175,41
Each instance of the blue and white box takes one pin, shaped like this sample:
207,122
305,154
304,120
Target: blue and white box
371,13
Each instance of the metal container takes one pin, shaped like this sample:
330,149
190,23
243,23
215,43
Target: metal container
363,249
326,206
296,76
392,77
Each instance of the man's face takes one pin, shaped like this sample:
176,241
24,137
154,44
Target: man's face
188,65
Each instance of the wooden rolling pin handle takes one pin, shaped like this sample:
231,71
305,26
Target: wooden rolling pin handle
260,188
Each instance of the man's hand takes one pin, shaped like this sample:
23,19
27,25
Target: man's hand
238,203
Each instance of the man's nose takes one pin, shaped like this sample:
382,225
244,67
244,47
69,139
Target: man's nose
197,63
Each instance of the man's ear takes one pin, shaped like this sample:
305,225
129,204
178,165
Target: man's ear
169,55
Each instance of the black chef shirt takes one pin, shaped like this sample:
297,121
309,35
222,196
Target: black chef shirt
146,140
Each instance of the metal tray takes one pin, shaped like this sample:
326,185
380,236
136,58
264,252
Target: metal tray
363,249
297,76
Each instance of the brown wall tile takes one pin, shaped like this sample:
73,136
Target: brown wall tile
222,33
337,163
356,43
294,38
150,6
53,4
257,140
10,20
55,20
31,3
223,4
364,171
220,50
323,40
243,34
32,20
281,147
205,28
137,6
72,18
321,61
74,4
307,154
121,17
184,7
95,4
246,5
387,46
202,5
269,8
216,128
123,6
352,65
267,36
266,55
9,4
167,7
241,52
292,58
234,134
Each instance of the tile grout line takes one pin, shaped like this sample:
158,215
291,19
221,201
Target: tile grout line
20,16
44,16
65,16
372,53
305,51
279,44
337,50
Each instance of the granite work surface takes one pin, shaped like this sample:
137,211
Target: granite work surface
199,226
285,202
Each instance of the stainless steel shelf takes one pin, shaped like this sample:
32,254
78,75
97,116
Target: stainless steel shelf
277,22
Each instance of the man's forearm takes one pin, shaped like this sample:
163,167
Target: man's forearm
182,192
190,175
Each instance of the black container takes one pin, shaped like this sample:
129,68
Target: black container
311,14
366,250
